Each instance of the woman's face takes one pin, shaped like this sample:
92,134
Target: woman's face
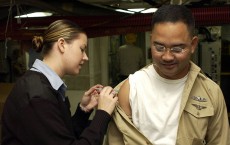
75,55
170,64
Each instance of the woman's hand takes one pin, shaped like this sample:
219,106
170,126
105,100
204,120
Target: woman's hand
107,99
90,98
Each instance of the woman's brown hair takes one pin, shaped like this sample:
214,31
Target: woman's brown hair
65,29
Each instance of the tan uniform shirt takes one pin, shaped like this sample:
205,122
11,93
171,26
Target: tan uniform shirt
130,58
203,116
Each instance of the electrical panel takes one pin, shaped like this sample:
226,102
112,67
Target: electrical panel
210,59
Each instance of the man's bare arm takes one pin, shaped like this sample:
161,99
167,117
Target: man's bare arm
123,98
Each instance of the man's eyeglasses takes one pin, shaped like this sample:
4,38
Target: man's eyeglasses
175,50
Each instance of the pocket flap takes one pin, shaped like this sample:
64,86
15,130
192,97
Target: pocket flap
199,110
197,141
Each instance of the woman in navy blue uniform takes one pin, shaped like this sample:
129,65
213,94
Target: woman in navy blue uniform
37,112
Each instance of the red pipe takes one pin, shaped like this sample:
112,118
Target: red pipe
212,16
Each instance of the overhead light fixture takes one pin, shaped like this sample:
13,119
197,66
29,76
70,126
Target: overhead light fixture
124,11
136,10
150,10
35,14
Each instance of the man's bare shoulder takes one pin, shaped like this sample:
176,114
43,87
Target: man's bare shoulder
123,97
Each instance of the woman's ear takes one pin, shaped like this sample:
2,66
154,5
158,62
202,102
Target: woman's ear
61,45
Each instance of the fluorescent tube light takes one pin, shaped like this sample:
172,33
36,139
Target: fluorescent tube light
150,10
124,11
35,14
136,10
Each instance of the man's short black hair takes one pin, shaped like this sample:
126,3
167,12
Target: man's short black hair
174,13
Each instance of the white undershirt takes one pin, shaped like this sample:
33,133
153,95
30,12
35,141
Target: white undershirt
155,103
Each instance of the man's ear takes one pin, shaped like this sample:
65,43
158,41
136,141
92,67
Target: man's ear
61,45
194,44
